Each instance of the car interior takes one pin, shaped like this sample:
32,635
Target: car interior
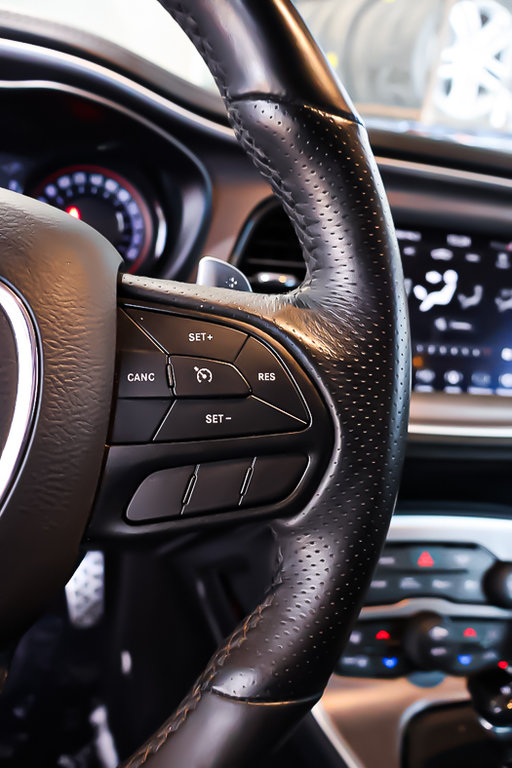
255,384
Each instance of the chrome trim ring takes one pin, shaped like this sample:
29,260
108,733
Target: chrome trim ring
26,388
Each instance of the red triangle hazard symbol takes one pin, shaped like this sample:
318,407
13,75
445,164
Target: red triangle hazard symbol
425,560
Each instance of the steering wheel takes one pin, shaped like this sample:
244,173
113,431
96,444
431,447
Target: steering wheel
309,411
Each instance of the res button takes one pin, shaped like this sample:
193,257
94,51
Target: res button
269,379
196,338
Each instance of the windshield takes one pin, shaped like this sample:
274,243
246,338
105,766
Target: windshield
436,67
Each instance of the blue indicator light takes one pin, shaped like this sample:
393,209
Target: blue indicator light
390,662
465,659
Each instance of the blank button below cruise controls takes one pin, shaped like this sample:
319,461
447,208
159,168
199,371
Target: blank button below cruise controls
206,419
268,378
199,377
219,485
274,478
196,338
160,495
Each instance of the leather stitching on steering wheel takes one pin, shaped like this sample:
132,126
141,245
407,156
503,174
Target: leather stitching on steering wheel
205,682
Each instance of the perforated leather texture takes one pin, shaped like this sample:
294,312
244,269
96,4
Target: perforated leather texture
347,325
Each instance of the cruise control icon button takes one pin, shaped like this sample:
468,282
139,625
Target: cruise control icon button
206,419
184,336
203,375
198,377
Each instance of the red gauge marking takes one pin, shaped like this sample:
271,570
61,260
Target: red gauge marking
74,212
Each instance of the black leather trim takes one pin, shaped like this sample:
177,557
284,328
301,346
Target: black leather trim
67,274
261,48
347,325
224,731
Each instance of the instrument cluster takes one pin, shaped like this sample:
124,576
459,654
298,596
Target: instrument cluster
112,205
130,180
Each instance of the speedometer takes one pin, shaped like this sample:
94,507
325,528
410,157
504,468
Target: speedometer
106,201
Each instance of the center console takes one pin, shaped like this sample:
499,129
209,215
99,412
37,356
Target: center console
438,610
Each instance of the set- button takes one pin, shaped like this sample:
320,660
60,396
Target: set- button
229,417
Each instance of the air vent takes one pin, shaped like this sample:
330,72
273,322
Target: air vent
268,251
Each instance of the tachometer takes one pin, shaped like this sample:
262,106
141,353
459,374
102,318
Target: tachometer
106,201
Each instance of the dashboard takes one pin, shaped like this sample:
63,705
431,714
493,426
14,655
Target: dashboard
151,196
143,191
167,186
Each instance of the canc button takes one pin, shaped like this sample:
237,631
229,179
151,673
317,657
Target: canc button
142,374
141,365
268,378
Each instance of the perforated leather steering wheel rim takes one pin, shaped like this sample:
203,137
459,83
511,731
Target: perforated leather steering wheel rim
345,328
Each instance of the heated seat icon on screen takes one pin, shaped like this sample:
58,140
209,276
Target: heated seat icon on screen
441,296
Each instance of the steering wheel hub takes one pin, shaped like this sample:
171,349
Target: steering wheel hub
19,366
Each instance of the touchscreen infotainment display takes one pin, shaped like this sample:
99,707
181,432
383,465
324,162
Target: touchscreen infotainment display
459,289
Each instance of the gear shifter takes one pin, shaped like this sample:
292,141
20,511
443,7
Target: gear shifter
491,692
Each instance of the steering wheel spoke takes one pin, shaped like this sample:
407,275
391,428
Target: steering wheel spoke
214,420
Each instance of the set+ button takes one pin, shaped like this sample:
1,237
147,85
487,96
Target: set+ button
194,338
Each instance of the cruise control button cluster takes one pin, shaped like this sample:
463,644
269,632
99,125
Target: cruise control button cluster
218,486
211,381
